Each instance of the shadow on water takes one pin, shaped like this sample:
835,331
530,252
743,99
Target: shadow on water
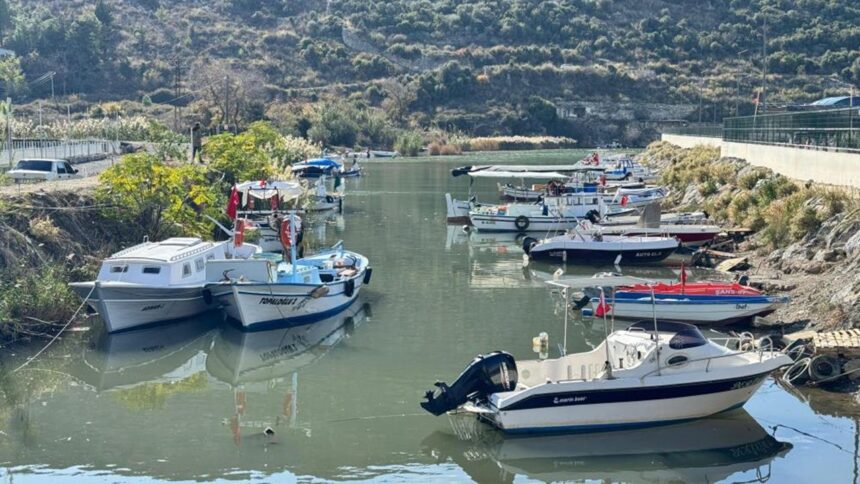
706,450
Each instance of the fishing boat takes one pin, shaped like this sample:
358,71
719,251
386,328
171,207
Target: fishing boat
383,154
650,373
458,210
624,167
592,247
154,282
263,205
316,168
701,302
321,199
550,214
260,294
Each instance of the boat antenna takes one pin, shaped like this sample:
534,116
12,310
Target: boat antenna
606,335
656,333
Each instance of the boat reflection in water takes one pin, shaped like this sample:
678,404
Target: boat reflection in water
159,354
264,362
706,450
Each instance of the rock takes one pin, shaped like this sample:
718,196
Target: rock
692,196
774,258
852,246
828,255
814,267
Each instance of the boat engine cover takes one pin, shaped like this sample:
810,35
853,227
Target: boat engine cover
486,374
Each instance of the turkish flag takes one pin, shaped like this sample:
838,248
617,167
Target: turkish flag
602,308
233,203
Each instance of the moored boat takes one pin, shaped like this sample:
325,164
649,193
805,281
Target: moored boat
650,373
703,302
550,214
261,294
154,282
594,248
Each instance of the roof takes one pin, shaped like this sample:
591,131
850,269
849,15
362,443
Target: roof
165,251
835,101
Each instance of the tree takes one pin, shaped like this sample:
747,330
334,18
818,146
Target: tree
236,93
11,76
398,98
157,198
5,17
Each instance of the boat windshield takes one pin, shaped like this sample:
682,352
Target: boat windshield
686,335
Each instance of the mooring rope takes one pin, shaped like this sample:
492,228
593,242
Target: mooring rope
32,358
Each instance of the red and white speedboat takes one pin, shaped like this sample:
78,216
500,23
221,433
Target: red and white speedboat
704,302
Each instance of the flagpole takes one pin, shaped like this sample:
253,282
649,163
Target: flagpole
606,335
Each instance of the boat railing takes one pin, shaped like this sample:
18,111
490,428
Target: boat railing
190,253
758,349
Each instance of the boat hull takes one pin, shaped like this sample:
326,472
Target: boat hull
627,407
128,306
693,310
265,306
602,257
504,223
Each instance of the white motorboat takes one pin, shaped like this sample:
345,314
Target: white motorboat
650,373
322,199
262,294
623,167
155,281
551,214
592,247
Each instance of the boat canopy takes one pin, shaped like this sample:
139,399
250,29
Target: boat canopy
520,171
265,190
321,163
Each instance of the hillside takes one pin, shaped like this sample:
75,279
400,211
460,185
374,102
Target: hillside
480,67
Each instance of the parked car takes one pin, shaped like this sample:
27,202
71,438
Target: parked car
41,170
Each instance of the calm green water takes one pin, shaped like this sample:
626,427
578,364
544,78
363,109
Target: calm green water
190,401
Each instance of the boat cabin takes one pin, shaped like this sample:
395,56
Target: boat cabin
631,353
173,262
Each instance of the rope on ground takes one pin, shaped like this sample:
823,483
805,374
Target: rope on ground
32,358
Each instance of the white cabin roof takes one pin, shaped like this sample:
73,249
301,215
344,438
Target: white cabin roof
170,250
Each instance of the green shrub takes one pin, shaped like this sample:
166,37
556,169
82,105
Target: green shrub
409,143
42,294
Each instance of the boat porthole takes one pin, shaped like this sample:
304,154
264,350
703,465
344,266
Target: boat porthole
677,360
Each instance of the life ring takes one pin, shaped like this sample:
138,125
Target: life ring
286,241
522,223
239,233
593,216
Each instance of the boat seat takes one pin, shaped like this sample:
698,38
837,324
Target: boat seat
347,272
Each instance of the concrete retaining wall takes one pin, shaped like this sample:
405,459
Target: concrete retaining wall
802,164
832,168
685,141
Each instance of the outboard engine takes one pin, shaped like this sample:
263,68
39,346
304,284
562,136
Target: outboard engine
486,374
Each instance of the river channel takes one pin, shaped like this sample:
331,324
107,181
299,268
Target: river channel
191,401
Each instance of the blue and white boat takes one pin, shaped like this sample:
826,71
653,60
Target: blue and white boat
624,168
650,373
262,294
316,168
702,302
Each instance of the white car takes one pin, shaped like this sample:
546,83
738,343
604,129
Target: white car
40,170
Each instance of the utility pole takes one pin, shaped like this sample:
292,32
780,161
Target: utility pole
9,129
738,83
764,62
701,86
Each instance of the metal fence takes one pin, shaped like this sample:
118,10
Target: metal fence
703,130
75,151
832,129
